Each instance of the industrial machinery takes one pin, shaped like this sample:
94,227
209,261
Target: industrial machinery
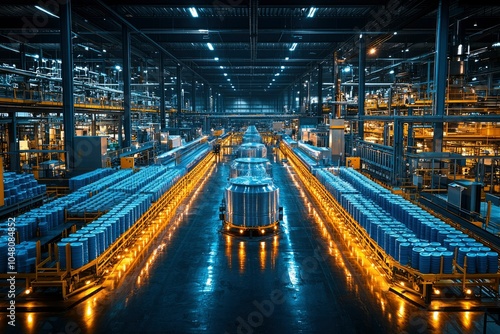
251,199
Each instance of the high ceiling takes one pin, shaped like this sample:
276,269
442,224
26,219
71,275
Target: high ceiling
258,47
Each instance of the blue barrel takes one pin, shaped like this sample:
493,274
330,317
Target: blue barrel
492,262
100,240
424,262
415,256
462,252
482,263
85,250
404,253
436,262
76,254
471,263
447,262
92,245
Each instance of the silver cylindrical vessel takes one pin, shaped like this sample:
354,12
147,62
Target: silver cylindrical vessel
252,202
260,167
252,150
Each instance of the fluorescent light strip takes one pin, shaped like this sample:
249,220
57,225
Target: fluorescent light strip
193,12
46,11
210,46
312,12
294,45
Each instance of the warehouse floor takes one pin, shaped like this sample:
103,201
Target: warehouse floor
199,280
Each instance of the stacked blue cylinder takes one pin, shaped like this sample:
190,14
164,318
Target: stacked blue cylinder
405,231
82,180
21,187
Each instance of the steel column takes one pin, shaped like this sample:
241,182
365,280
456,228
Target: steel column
361,87
320,90
440,71
67,84
127,95
178,88
163,123
193,94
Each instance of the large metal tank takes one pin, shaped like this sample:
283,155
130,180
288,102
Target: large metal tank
251,135
260,167
252,202
252,150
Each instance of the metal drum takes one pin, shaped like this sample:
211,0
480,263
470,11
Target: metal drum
252,202
252,150
251,167
252,135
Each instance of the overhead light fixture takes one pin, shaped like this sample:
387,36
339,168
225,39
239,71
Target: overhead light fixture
216,58
496,45
104,50
373,50
203,31
294,45
46,11
221,66
225,74
286,58
395,33
312,12
193,12
282,67
391,72
210,46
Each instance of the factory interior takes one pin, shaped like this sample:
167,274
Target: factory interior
245,166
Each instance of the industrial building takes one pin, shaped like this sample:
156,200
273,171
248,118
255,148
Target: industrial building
252,166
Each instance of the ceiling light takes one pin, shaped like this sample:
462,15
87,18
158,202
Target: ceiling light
46,11
203,31
312,11
274,79
221,66
118,67
193,12
286,58
282,67
395,33
496,45
391,71
373,50
294,45
360,35
216,58
225,74
104,50
228,79
210,46
277,74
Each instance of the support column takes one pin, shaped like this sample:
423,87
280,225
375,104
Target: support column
178,92
13,145
193,94
336,81
397,157
361,87
127,95
440,71
320,90
163,122
67,84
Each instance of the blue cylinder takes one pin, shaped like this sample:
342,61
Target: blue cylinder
482,263
436,262
415,256
492,262
448,262
471,263
424,262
